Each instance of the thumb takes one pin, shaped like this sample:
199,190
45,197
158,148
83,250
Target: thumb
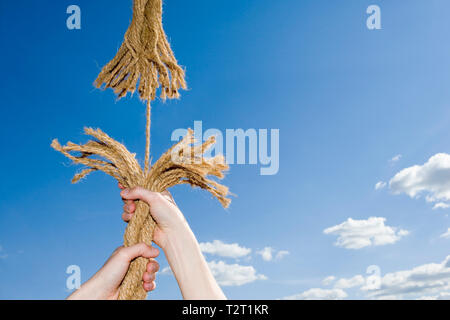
139,250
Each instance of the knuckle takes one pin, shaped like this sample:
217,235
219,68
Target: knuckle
136,190
141,246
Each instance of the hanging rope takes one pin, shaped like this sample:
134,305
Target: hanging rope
145,61
147,138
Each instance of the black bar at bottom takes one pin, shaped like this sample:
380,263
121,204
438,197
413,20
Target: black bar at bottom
230,309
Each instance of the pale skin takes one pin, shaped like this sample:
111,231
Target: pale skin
174,236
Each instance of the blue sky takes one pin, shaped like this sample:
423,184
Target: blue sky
345,99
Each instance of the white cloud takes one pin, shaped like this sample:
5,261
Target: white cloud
233,274
446,235
440,296
166,271
328,280
427,282
266,253
431,178
441,205
357,234
380,185
269,254
221,249
280,254
427,279
395,158
319,294
356,281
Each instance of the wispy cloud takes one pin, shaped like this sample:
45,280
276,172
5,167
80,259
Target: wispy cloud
328,280
356,281
357,234
441,205
225,250
440,296
446,235
269,254
280,254
395,158
319,294
166,271
380,185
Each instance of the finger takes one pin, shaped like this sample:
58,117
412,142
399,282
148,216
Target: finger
132,205
149,286
128,210
139,193
129,206
139,250
152,266
149,277
127,216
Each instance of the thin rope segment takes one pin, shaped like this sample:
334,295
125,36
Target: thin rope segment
181,164
147,138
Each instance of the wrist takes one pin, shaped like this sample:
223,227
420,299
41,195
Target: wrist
178,239
173,234
85,292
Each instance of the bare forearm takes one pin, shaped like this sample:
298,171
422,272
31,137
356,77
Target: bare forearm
190,268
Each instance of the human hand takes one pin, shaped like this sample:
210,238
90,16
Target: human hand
168,217
104,285
173,234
